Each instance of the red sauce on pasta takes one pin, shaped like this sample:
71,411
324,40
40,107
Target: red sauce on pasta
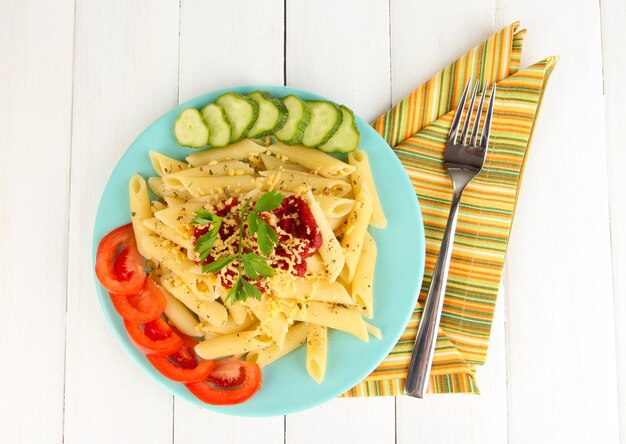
299,237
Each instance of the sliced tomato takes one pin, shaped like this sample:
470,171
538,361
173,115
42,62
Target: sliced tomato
227,373
121,273
156,337
186,358
198,372
145,306
206,392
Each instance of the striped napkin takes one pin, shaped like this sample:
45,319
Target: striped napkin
417,128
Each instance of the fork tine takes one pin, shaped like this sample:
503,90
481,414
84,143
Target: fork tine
468,117
454,128
479,111
484,139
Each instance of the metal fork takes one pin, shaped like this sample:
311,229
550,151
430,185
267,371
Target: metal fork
463,159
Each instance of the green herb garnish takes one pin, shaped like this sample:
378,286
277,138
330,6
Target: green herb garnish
250,265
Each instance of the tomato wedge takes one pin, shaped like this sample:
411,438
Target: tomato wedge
185,372
121,273
145,306
227,373
156,338
205,391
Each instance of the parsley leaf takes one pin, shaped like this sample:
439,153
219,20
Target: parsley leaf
205,242
242,290
255,266
217,265
266,237
204,217
268,202
253,222
250,290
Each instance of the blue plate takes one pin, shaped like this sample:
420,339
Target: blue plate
287,387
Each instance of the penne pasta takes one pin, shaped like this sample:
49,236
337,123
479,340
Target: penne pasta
334,206
172,201
158,188
273,322
374,331
337,224
164,165
314,290
226,168
179,315
230,326
176,235
210,311
361,175
207,185
232,344
354,234
312,159
139,209
237,311
329,315
295,337
316,351
295,181
363,282
240,150
330,251
180,216
273,163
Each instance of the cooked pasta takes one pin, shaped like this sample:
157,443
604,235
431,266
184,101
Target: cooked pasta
322,260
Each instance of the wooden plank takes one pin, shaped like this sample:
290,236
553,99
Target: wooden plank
344,59
230,43
35,127
243,44
560,331
613,16
347,61
346,420
126,73
425,38
428,36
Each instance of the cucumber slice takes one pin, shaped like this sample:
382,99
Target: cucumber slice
326,117
215,119
272,114
346,138
241,112
190,130
297,120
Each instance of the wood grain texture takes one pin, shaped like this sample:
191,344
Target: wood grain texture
126,68
345,420
346,60
419,49
230,43
36,48
560,331
613,19
242,45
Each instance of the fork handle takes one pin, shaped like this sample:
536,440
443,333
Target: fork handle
422,357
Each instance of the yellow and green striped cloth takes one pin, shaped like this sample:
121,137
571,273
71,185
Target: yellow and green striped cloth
417,129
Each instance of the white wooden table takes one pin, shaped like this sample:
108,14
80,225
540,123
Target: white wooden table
79,79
